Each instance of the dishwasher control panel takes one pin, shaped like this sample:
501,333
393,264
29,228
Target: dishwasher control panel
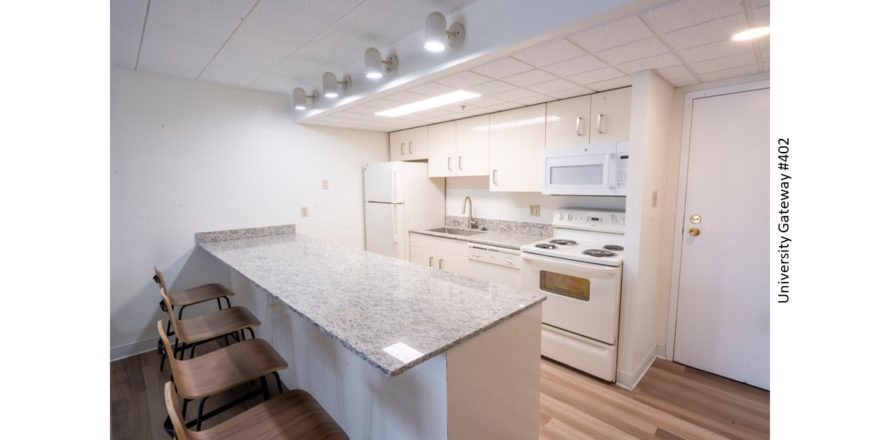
493,255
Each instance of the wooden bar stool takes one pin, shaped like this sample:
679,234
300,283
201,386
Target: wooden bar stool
203,328
221,370
291,415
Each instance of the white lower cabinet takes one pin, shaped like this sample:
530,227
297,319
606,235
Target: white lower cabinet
485,263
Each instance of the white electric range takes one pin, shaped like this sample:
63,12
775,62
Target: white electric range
580,270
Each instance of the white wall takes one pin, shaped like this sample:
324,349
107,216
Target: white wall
188,156
515,206
646,270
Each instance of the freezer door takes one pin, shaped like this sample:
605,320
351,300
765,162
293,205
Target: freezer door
382,182
385,229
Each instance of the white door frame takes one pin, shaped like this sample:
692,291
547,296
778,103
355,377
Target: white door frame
682,191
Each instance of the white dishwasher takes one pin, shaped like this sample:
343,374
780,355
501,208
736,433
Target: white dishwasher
494,264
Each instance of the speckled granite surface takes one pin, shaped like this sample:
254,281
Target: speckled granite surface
500,233
369,301
539,230
490,238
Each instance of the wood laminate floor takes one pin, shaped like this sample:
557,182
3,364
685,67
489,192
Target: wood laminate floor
671,402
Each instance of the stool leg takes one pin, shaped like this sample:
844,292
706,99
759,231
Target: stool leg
253,336
162,352
192,351
278,381
228,304
185,402
265,387
219,304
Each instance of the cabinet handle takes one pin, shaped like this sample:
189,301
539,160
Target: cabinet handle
449,163
579,126
459,163
440,264
401,149
495,177
599,119
430,261
410,147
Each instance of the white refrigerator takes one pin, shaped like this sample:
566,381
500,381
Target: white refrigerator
399,197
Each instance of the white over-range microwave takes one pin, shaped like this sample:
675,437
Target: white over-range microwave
589,170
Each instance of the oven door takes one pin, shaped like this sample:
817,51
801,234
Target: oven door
582,298
586,170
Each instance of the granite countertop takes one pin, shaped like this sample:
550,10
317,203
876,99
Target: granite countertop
509,240
367,301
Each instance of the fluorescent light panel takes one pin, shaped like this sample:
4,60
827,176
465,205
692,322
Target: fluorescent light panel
751,33
426,104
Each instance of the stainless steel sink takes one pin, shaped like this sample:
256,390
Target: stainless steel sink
455,231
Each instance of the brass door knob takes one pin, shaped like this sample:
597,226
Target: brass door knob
694,232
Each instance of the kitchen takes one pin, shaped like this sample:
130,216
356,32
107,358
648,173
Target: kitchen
439,219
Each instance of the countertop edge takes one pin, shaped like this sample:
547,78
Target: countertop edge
470,239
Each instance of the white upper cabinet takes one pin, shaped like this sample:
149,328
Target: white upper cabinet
441,150
411,144
472,143
568,122
609,116
516,149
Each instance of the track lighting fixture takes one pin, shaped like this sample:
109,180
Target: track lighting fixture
437,37
300,101
375,67
331,85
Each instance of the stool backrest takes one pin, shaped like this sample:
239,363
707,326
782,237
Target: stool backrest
160,278
169,350
169,310
172,405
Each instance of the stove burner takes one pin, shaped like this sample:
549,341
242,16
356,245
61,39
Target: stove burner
598,253
613,247
545,246
563,241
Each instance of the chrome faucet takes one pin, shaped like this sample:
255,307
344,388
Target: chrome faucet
468,203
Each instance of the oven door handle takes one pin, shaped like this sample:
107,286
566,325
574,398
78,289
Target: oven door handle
582,269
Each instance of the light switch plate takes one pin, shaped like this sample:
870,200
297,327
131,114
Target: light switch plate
535,210
654,199
304,211
325,184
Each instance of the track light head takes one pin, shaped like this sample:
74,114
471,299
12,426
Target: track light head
375,67
438,37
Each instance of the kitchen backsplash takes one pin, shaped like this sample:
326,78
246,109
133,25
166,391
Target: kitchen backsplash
526,228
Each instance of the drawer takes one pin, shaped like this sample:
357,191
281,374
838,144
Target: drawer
491,255
451,246
423,241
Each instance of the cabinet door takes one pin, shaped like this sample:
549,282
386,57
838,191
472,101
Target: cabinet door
417,143
441,150
568,122
422,255
609,116
516,149
472,143
397,145
454,263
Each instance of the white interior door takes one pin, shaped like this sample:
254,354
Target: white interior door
723,315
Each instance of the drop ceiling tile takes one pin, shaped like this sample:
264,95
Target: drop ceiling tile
552,86
656,62
574,66
483,101
180,38
723,63
491,88
765,55
362,110
686,13
463,80
505,106
613,34
530,77
710,32
568,93
502,68
762,16
730,73
596,76
623,81
715,50
383,104
549,53
405,97
126,24
537,99
516,94
760,3
432,89
633,51
678,76
348,115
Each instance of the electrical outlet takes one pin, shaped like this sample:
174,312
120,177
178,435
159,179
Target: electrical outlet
325,184
304,211
535,210
654,199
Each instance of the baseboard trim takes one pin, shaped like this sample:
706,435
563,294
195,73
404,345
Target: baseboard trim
128,350
630,380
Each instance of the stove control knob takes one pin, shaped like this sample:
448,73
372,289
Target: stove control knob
569,217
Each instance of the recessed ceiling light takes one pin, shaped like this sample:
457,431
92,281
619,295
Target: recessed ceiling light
425,104
751,33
